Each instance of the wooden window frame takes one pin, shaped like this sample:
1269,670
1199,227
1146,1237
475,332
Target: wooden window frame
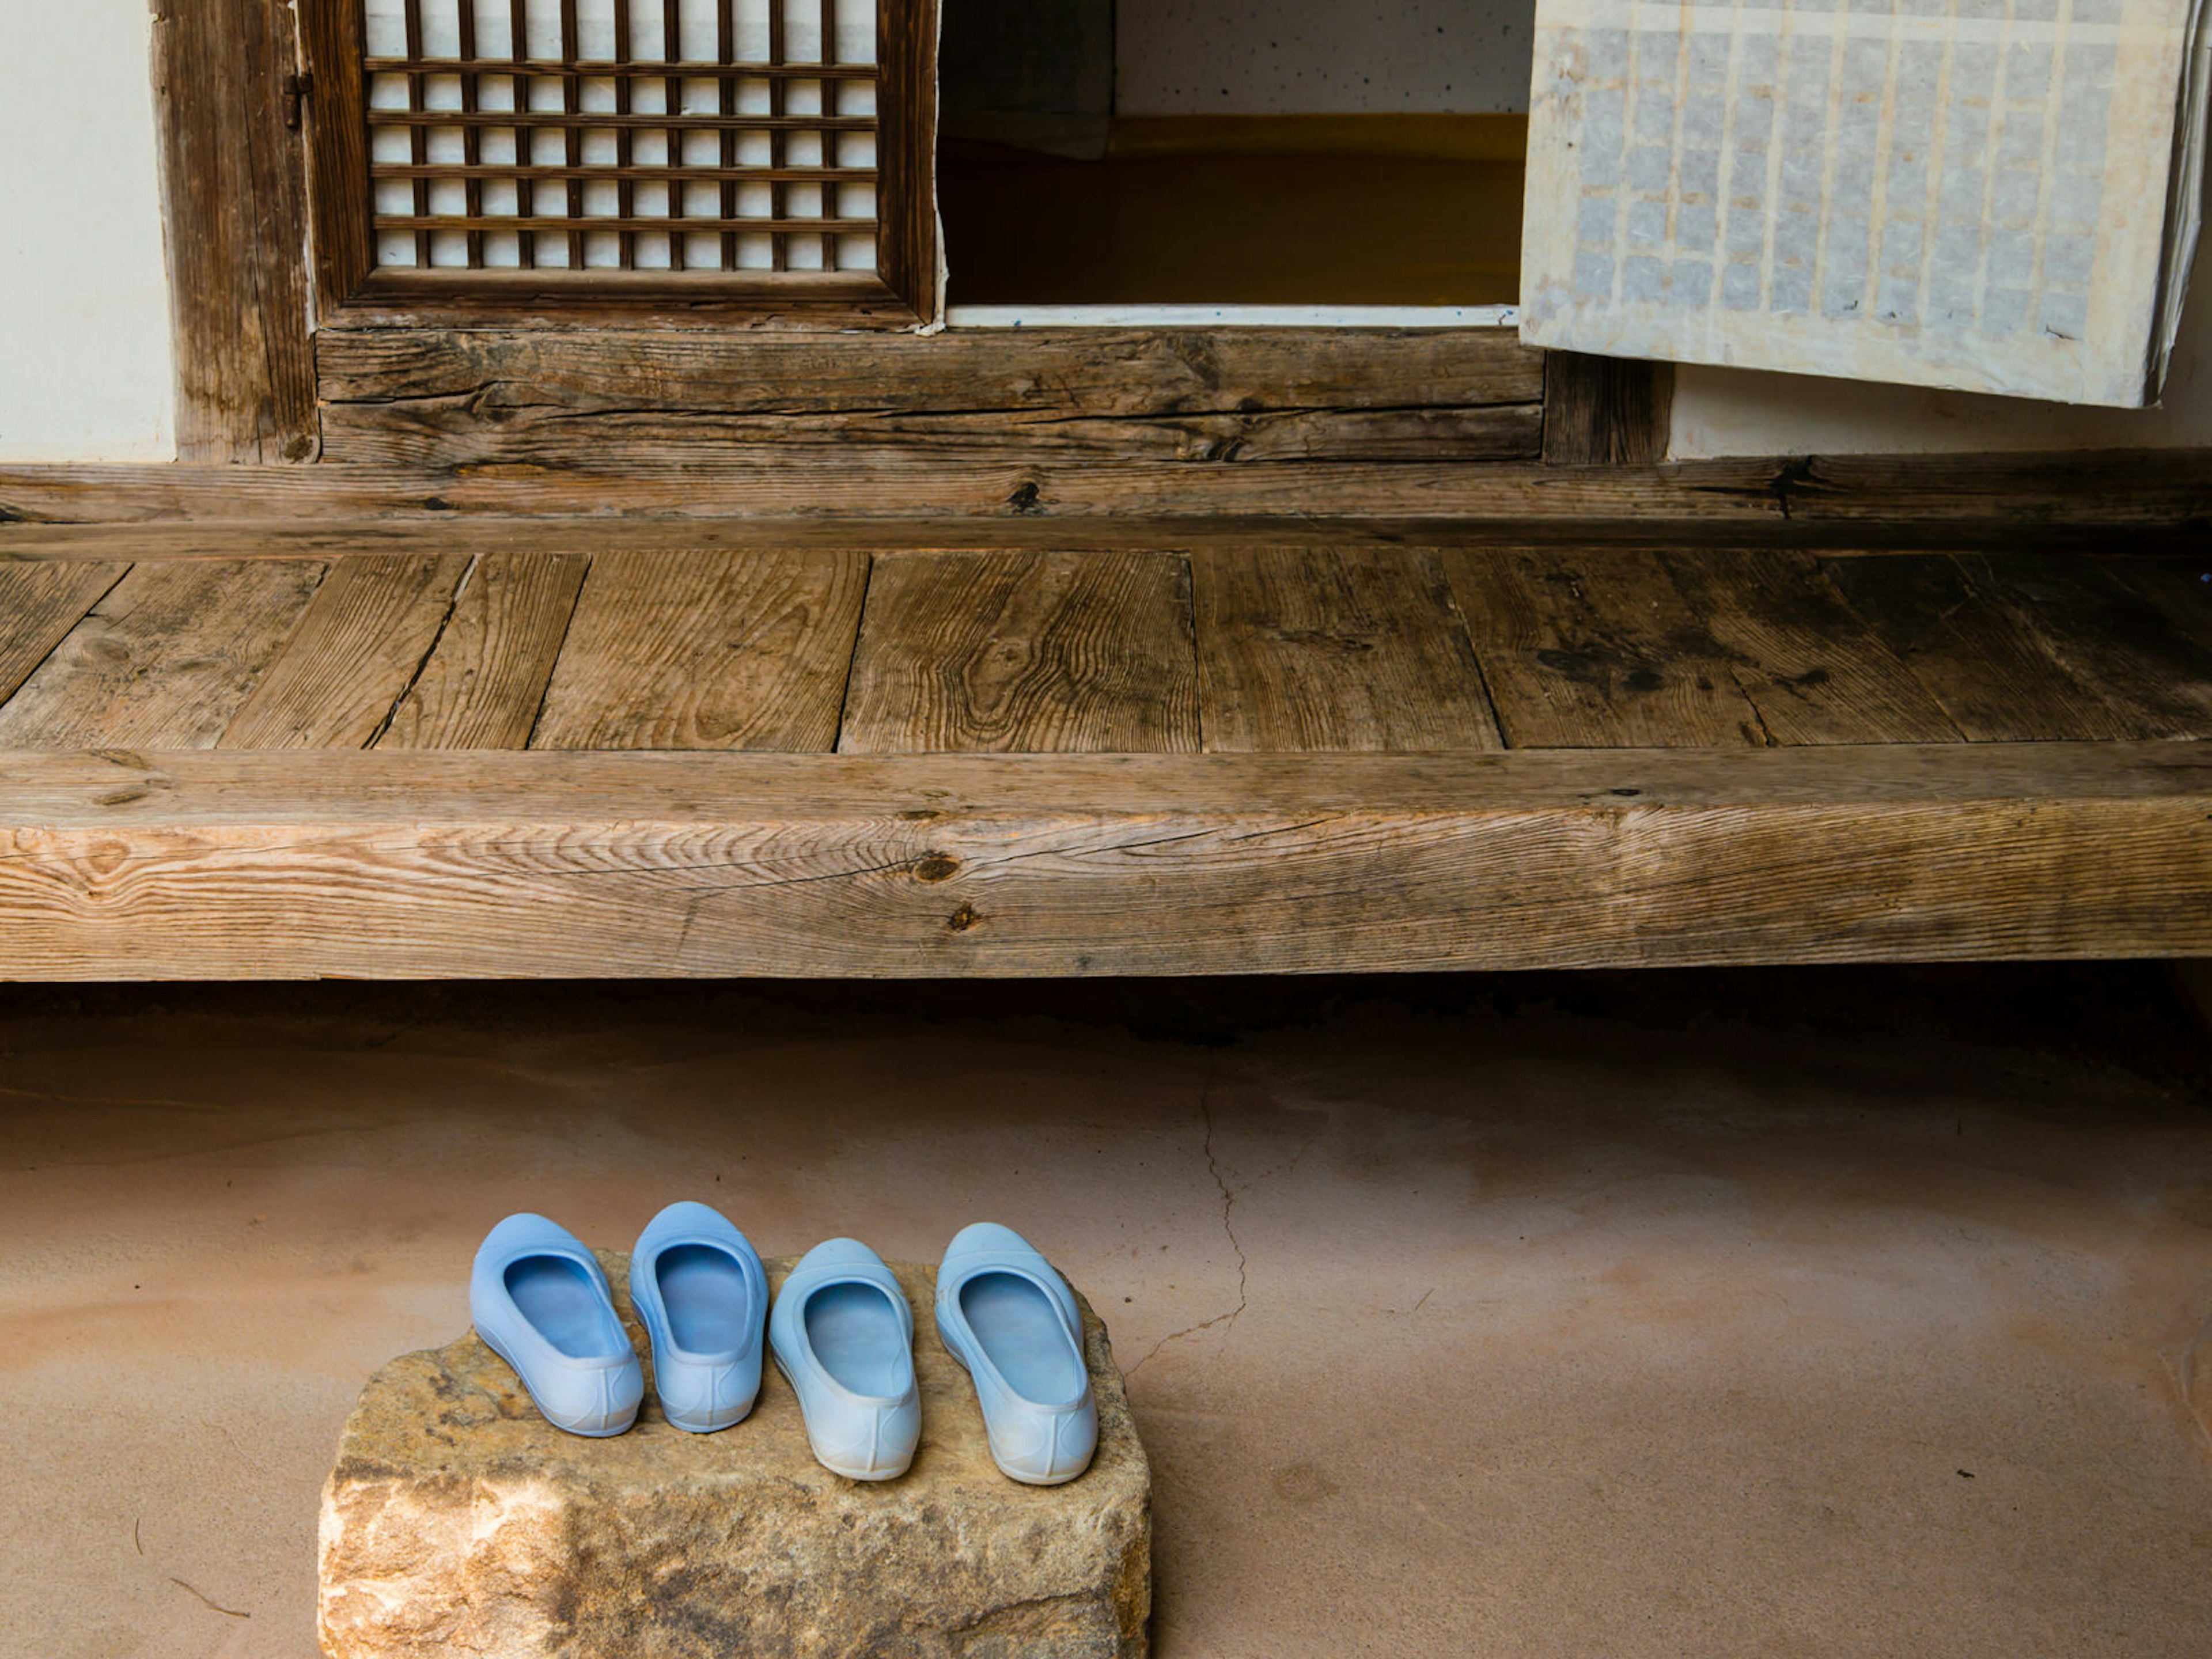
351,291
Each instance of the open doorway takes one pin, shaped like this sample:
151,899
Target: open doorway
1191,152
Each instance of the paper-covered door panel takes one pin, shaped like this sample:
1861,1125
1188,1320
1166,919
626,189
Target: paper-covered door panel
1991,195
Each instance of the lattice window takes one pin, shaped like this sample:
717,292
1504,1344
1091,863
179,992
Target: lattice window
769,154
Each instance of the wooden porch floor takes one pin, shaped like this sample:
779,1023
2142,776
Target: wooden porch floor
1233,757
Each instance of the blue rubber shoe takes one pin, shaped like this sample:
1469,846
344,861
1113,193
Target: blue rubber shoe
1011,1321
701,1295
541,1302
842,1336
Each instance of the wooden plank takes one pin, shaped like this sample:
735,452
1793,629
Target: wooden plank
39,603
234,188
1043,653
165,660
1321,649
1804,659
2180,589
2118,500
1605,411
370,865
485,680
1595,647
1993,677
706,652
449,397
366,633
2157,682
327,538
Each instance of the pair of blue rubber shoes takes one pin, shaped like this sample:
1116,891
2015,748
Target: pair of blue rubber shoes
841,1332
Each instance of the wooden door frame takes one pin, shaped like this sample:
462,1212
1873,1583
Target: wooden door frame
234,206
1606,411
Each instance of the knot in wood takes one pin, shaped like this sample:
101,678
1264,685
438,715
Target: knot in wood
936,866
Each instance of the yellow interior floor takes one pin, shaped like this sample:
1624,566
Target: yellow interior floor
1023,228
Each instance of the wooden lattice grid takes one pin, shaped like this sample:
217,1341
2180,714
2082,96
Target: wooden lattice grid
553,151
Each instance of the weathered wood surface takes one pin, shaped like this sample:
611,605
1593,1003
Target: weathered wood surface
1605,411
706,652
2119,502
365,635
1294,646
485,680
442,399
165,659
39,603
1596,649
1326,649
1994,677
1811,666
2109,638
428,866
1002,652
2180,589
235,186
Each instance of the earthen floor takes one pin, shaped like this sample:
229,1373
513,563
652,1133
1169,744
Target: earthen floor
1664,1316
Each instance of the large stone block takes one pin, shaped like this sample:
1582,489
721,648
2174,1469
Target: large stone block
457,1521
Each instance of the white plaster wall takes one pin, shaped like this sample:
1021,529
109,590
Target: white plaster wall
1729,411
85,365
1321,56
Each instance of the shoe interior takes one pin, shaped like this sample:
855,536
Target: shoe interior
855,1332
709,1302
558,1296
1020,1330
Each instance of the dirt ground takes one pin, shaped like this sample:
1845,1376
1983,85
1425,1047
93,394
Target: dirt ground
1810,1313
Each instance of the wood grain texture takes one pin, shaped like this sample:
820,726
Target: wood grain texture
546,398
234,184
483,684
1994,676
1008,653
2156,681
327,537
1333,649
1595,647
165,660
1802,657
706,652
39,603
369,864
2117,502
356,651
2180,589
1605,411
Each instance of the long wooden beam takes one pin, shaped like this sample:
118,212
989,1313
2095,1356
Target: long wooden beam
258,866
1803,499
604,399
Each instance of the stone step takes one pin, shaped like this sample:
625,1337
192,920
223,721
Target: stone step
456,1519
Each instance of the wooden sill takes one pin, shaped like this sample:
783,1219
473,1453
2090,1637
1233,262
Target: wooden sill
570,748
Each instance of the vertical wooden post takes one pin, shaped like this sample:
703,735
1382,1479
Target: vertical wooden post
235,200
1605,411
